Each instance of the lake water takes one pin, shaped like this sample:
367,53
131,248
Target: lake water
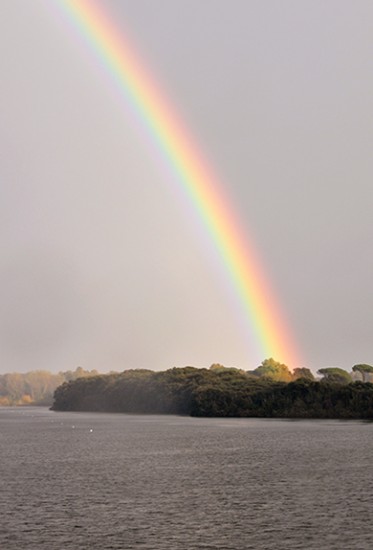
103,481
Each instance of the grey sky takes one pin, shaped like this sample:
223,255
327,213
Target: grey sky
102,264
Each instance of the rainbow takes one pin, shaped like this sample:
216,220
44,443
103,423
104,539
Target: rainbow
201,187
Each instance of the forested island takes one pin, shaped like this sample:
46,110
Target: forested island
270,391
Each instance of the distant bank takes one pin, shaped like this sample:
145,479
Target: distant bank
35,387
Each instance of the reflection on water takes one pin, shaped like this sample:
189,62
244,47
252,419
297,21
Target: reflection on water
102,481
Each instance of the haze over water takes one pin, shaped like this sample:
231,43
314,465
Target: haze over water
104,481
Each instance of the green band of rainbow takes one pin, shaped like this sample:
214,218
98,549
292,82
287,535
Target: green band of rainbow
262,313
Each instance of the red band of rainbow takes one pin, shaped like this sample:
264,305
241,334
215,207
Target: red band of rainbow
199,184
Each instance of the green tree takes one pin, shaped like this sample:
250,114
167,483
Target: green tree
302,372
335,375
274,370
217,367
364,370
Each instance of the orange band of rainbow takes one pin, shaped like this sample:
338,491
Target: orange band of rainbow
252,289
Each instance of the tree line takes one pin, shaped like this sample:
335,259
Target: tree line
271,390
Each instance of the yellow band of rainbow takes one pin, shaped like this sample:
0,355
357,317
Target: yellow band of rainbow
240,261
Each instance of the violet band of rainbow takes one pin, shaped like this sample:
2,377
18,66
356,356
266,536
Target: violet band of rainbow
265,322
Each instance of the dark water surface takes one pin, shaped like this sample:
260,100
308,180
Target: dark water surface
103,481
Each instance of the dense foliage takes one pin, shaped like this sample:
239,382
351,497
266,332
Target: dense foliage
218,392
